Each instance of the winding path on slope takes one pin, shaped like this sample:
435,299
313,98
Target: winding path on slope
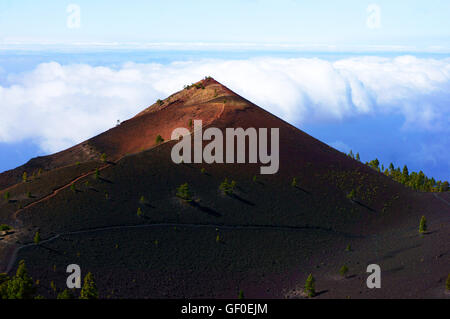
13,257
56,191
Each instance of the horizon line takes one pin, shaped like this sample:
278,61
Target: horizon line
230,46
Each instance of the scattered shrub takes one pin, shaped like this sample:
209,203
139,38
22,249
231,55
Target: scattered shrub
159,139
294,182
7,196
66,294
139,212
37,238
194,85
351,195
343,271
160,102
4,227
241,294
24,177
184,193
226,187
447,283
423,225
103,157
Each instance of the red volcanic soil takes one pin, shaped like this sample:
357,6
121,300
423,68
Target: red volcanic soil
265,238
134,135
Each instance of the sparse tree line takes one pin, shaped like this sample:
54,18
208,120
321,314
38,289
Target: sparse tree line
417,181
21,286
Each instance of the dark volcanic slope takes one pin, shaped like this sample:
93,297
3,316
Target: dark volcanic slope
265,239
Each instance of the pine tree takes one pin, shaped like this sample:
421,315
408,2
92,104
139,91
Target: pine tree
24,177
184,193
21,285
294,182
4,279
375,164
351,195
103,157
7,196
423,225
37,238
405,171
89,290
358,158
343,271
310,286
53,286
241,294
447,283
391,168
139,212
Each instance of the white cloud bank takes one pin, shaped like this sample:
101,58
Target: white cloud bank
60,105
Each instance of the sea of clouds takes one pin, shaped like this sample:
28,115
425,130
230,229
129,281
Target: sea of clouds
59,105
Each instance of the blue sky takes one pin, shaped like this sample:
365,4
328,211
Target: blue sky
371,76
411,23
